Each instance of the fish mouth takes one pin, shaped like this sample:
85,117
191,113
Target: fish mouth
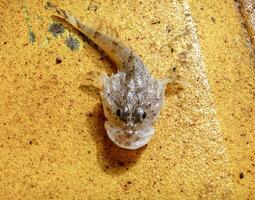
129,138
129,131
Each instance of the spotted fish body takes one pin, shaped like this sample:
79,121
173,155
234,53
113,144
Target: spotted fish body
131,98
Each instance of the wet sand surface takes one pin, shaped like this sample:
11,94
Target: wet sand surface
53,143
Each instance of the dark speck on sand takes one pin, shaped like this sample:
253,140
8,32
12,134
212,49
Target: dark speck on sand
56,29
72,43
31,36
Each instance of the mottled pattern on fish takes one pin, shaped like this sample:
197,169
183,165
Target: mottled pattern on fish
131,98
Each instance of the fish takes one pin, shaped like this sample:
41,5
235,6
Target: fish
132,98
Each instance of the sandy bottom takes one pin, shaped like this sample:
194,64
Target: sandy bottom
53,144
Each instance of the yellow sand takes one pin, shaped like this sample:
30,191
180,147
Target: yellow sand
53,144
230,66
248,13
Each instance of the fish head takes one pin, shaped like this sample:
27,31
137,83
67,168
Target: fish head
131,109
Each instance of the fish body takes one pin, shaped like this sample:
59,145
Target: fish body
131,98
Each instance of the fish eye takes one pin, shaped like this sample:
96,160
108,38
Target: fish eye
118,112
144,115
140,114
122,112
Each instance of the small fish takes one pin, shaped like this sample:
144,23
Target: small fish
131,98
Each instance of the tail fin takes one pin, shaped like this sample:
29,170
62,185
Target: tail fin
117,51
72,20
